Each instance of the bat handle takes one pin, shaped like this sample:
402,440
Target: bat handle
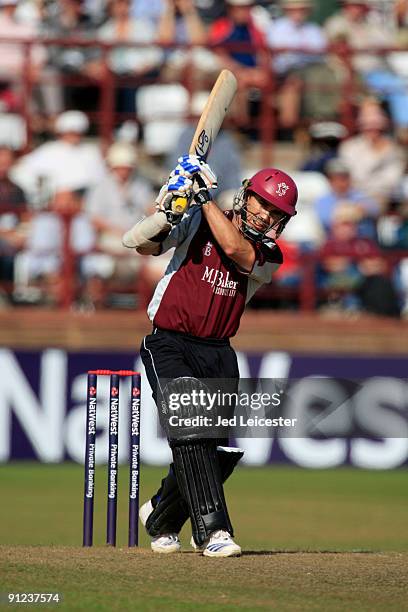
179,205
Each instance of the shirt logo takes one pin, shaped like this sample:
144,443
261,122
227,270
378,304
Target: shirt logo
220,282
282,189
207,249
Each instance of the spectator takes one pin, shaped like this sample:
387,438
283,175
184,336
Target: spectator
376,291
240,26
325,138
293,30
375,161
114,205
12,56
342,193
67,163
351,25
68,19
180,23
120,199
128,61
13,216
340,274
42,261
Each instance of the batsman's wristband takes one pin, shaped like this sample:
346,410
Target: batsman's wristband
202,197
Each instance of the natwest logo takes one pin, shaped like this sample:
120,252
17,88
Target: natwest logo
220,282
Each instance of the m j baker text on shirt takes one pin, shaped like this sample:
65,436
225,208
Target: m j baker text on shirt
220,282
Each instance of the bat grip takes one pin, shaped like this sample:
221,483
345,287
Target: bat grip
179,205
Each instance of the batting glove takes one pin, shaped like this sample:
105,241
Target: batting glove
176,187
192,165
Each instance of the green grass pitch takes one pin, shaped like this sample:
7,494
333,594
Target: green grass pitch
312,540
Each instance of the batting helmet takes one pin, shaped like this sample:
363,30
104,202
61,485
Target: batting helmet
276,187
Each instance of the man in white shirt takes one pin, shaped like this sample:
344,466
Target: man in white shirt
294,30
66,163
119,198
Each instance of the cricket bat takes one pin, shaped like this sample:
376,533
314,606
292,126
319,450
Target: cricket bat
210,122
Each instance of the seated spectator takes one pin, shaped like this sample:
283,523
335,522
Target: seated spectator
293,30
13,216
354,273
68,19
376,291
325,138
180,23
339,273
66,163
114,205
342,193
119,199
374,160
42,262
12,55
352,25
239,26
128,61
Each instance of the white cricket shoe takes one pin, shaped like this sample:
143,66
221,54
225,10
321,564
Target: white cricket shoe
165,543
220,544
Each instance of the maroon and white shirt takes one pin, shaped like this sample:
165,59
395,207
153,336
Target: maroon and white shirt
203,293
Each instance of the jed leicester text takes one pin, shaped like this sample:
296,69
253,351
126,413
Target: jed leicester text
205,421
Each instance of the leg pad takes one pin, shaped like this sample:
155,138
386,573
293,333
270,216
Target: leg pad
199,479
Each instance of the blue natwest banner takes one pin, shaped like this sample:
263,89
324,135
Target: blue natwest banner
43,402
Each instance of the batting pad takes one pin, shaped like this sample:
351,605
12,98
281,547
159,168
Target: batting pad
199,479
170,510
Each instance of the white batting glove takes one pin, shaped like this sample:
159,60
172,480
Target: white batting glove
176,187
190,165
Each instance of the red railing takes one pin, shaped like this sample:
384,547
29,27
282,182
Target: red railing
105,115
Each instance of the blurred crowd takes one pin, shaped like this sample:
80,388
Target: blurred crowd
68,194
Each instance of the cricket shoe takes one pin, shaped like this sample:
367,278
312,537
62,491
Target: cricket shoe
165,543
220,544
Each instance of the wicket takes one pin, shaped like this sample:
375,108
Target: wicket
113,448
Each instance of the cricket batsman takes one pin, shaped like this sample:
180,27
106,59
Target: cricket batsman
220,259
